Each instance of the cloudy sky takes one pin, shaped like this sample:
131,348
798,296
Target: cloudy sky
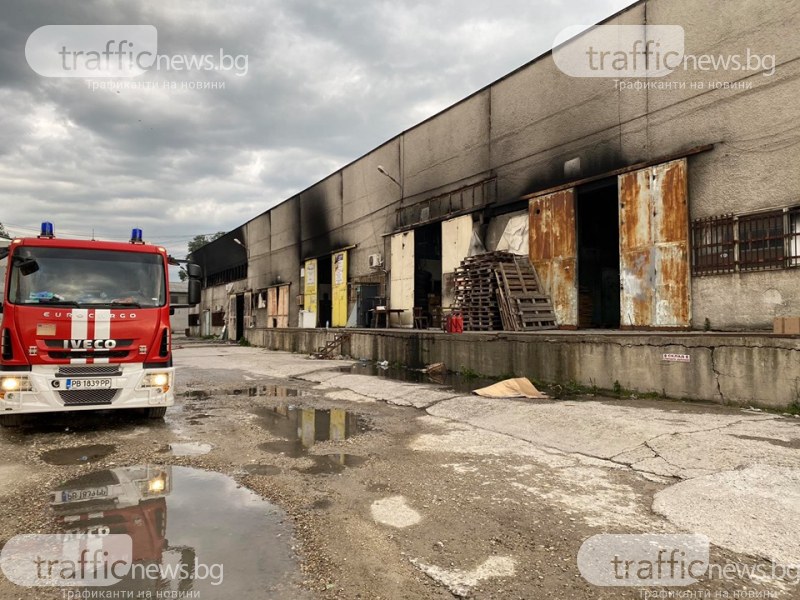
326,81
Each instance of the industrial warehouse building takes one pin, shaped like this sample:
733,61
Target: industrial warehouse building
666,203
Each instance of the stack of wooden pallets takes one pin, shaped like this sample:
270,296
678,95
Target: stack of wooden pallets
500,290
523,304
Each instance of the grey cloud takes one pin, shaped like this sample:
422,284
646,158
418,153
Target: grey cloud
326,82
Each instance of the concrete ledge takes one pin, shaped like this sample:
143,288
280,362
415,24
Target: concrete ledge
727,368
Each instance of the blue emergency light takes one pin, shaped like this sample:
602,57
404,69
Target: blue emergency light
47,230
136,236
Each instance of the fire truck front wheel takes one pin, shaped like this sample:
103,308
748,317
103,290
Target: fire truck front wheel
156,413
10,420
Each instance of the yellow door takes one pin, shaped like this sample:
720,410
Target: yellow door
310,290
339,279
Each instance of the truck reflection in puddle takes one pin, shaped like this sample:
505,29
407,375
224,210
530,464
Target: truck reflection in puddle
220,539
301,428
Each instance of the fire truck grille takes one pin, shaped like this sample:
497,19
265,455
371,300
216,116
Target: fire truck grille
89,371
85,354
87,397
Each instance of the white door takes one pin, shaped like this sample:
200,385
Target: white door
402,281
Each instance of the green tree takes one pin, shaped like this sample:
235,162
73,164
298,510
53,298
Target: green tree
202,239
199,241
3,232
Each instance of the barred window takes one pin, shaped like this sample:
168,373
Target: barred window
227,276
713,246
761,241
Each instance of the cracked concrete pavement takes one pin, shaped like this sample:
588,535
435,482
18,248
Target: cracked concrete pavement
730,474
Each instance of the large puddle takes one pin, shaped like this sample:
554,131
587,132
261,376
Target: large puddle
459,382
253,391
300,429
267,391
191,531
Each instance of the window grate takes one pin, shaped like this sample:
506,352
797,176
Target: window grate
713,246
761,241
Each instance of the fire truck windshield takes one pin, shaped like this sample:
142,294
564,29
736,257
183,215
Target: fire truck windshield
82,277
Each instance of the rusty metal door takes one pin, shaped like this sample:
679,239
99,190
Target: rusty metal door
654,247
553,251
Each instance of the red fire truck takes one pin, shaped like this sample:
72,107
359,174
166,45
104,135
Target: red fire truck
85,325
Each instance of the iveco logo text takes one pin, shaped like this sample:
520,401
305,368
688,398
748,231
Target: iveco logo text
61,315
96,344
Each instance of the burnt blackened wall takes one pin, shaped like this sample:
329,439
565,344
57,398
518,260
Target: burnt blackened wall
538,127
321,217
223,254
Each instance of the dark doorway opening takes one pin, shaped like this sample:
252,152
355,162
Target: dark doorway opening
598,255
427,269
239,316
324,291
367,298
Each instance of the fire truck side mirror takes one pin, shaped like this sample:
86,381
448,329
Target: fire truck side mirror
194,292
195,274
194,271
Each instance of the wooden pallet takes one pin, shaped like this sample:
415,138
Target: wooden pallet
523,305
476,291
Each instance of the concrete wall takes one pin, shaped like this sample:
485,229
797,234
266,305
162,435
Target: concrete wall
523,128
730,369
451,147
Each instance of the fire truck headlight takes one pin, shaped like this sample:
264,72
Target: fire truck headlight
157,380
10,384
14,384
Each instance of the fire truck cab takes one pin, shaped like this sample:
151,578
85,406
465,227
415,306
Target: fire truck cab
85,326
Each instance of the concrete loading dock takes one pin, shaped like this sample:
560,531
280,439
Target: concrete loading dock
727,368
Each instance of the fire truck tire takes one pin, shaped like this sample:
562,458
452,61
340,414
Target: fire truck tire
156,413
10,420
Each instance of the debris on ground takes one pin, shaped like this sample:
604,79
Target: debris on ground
518,387
435,369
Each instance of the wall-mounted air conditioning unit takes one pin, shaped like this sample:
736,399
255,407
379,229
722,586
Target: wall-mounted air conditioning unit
375,261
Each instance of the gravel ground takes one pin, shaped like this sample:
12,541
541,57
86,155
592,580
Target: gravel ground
381,499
